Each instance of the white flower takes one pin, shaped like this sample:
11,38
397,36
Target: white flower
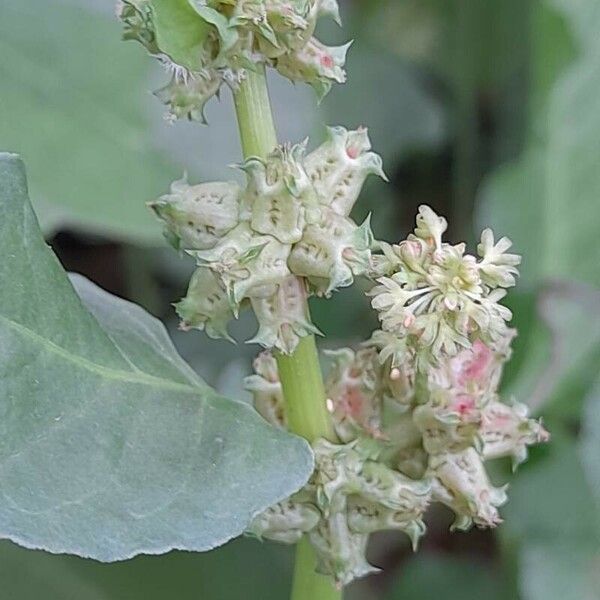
497,267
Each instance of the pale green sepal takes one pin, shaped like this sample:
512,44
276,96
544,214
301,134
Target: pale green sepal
282,317
206,306
186,98
248,265
197,216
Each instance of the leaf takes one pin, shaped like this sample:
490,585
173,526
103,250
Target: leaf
74,93
180,32
110,445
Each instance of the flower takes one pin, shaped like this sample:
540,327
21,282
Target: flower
438,297
416,409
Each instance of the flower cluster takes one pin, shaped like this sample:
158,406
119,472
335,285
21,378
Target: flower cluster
285,235
416,409
433,299
205,43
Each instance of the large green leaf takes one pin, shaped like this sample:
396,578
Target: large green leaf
110,445
72,98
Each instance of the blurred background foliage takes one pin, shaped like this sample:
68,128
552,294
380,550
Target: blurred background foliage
489,111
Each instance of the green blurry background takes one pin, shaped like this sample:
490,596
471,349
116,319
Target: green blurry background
489,111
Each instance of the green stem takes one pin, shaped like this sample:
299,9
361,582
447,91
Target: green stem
299,372
255,119
304,393
308,584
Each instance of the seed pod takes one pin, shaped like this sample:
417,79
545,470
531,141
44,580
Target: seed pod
197,216
448,423
369,517
285,522
354,394
340,552
206,306
316,64
332,252
266,389
383,485
247,265
338,167
282,316
506,431
279,196
460,482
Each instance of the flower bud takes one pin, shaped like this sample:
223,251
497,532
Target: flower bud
435,296
430,226
497,267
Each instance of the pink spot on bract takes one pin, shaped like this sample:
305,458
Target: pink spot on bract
327,61
352,152
464,404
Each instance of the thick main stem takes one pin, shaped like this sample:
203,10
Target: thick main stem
300,373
